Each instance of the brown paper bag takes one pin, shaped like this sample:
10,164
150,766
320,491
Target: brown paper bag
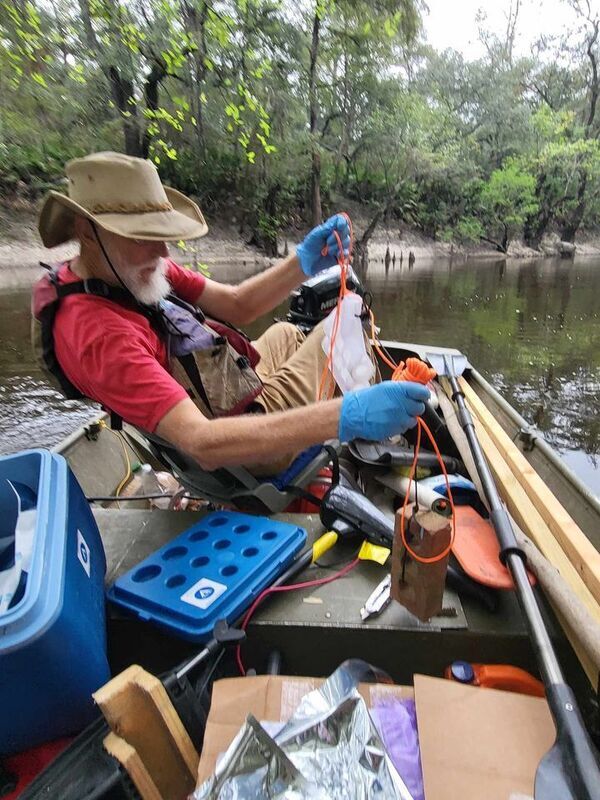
419,586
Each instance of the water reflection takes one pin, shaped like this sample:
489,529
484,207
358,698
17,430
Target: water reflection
531,327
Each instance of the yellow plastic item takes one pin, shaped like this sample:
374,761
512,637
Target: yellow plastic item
323,544
373,552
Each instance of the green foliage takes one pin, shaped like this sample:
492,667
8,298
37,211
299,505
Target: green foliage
218,95
507,199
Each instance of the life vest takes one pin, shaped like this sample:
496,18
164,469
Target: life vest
213,361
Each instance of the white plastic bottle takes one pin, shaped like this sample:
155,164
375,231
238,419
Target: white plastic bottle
151,485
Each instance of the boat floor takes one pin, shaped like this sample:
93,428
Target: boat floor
315,629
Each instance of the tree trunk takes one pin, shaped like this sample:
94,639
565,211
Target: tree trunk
122,91
571,224
499,246
536,225
151,87
195,23
315,174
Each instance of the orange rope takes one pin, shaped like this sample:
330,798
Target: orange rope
413,370
344,262
416,370
439,556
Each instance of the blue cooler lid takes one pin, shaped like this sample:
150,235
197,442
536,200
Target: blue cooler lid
211,571
43,475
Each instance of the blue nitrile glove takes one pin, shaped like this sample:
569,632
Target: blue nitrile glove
381,410
310,250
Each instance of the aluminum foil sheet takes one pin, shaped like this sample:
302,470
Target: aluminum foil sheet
329,750
255,767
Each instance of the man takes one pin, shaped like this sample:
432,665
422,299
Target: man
114,353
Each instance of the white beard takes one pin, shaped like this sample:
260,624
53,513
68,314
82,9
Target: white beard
152,291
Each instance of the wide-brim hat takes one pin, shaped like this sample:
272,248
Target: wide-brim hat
123,195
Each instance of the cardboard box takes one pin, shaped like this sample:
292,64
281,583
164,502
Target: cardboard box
270,698
474,742
479,743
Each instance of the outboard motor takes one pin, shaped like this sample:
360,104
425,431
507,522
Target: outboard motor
313,301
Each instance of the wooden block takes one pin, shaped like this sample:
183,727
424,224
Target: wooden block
581,552
139,711
132,763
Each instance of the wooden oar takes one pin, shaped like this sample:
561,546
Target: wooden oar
575,606
581,552
570,770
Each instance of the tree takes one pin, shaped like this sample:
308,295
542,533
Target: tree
507,199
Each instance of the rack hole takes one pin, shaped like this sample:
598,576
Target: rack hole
146,573
222,544
241,528
174,552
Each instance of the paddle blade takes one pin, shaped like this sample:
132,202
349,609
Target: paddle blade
570,770
477,550
448,364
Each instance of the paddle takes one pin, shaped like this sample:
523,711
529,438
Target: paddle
570,770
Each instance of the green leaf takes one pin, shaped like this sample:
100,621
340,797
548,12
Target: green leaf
39,78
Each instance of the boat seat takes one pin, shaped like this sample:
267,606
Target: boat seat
236,485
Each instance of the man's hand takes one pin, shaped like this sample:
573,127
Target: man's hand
382,410
310,250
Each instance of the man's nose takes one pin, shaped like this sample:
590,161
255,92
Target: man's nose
161,249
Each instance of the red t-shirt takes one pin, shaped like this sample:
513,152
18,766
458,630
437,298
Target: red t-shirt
112,354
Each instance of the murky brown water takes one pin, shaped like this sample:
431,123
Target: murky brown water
531,327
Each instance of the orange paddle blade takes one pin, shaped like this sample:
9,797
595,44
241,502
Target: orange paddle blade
477,550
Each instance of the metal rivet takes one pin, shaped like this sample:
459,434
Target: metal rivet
328,615
569,706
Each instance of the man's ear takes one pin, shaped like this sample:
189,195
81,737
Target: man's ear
82,228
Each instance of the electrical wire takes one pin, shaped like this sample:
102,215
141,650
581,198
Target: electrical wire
128,470
288,588
111,498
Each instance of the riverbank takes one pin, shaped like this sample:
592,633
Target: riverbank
21,249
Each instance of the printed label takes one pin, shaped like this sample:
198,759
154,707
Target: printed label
83,553
203,593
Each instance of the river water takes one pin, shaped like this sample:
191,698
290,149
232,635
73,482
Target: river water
532,328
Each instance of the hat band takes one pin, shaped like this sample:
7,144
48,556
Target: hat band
128,208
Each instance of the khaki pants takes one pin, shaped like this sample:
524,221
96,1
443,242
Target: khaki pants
291,369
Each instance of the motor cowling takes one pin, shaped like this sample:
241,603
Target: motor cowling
316,297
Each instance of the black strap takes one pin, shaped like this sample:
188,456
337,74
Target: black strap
93,286
188,362
304,495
